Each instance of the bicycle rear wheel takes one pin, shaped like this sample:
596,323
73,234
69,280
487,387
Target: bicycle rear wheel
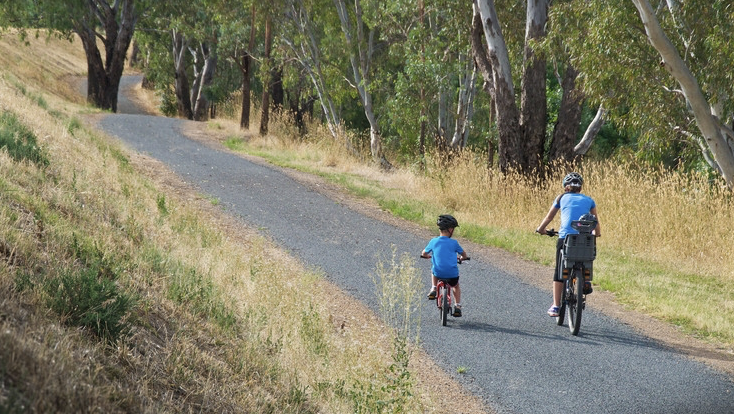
575,296
444,302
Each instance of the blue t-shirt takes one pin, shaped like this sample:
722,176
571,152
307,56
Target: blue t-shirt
443,256
573,206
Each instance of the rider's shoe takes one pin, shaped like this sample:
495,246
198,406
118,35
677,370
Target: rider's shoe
457,311
587,288
553,311
432,294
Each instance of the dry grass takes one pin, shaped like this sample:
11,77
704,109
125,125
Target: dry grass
201,339
665,248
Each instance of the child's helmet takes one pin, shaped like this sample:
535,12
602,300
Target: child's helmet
446,221
589,218
573,179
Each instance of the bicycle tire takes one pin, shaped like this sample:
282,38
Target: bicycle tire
576,300
444,305
562,309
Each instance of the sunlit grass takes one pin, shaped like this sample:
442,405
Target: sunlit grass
223,321
665,248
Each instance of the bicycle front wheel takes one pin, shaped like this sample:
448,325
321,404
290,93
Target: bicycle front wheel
575,297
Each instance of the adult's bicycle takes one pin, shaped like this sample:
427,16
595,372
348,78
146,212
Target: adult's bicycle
576,269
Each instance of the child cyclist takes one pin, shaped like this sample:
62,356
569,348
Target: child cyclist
444,253
572,205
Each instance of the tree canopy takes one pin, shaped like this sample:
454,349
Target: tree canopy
522,82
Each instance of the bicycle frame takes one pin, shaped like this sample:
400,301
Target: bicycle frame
444,300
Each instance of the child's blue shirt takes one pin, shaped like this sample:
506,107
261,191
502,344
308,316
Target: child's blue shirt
443,256
572,206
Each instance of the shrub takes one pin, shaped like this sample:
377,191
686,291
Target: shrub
20,141
84,298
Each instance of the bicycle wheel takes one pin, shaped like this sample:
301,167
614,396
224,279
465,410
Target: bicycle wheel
562,308
575,297
444,305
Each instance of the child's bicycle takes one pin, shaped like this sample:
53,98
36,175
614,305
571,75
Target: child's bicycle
577,257
444,298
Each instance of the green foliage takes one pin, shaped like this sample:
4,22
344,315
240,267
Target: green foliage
161,202
88,298
20,142
622,71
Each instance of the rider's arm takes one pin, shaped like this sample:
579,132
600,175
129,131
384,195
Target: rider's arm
425,255
463,255
597,230
546,221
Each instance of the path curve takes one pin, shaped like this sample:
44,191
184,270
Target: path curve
513,356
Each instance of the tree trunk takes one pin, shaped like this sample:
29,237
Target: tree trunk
278,93
709,126
181,81
201,106
533,100
360,62
569,118
510,148
247,74
464,110
265,115
103,76
591,132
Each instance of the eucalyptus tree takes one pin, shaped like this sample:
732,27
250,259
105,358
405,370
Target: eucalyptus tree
237,20
110,24
663,73
426,80
523,140
190,31
309,36
360,37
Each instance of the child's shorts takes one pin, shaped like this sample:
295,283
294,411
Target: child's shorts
451,281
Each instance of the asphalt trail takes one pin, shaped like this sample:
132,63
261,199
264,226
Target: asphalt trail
514,356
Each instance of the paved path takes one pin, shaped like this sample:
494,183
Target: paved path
516,359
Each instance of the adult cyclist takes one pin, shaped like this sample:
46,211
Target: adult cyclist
572,205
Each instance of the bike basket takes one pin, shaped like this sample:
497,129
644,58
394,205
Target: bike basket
580,248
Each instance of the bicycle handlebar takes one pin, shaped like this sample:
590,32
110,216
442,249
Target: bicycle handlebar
458,259
551,233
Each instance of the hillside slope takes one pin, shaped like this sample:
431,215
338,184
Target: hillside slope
122,293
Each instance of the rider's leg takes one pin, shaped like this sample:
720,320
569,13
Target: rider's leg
557,292
432,292
457,295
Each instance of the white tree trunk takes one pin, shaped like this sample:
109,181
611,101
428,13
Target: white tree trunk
591,132
709,126
310,58
496,45
360,61
464,106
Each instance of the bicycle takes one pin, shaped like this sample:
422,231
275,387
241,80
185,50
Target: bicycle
444,298
577,257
